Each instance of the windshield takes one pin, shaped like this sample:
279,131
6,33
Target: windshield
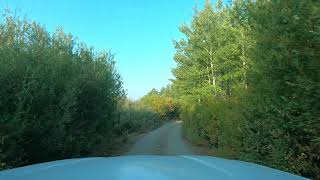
231,79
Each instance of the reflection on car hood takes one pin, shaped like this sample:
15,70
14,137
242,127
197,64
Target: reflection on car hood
146,167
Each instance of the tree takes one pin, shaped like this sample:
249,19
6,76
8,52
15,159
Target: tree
160,102
284,104
208,61
247,80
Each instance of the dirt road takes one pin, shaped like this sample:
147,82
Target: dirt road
166,140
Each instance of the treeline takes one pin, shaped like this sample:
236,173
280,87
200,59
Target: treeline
161,102
59,98
248,82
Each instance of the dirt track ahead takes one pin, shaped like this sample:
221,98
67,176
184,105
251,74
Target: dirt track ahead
166,140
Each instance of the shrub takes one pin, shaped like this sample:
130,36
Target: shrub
58,98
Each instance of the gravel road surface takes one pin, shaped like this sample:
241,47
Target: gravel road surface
166,140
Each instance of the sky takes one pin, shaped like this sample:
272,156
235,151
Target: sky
139,32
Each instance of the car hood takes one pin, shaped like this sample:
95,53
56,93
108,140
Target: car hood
146,167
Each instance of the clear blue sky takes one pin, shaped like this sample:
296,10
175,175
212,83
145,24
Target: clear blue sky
139,32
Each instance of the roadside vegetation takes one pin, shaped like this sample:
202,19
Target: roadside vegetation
248,80
61,99
161,102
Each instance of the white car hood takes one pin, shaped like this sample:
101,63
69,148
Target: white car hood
146,167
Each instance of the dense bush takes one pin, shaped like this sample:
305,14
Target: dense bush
58,98
217,124
283,120
248,82
136,119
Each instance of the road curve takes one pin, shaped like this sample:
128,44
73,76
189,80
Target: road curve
166,140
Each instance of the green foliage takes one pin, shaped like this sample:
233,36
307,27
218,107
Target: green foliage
247,80
210,62
283,119
135,119
161,103
58,98
215,123
211,74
